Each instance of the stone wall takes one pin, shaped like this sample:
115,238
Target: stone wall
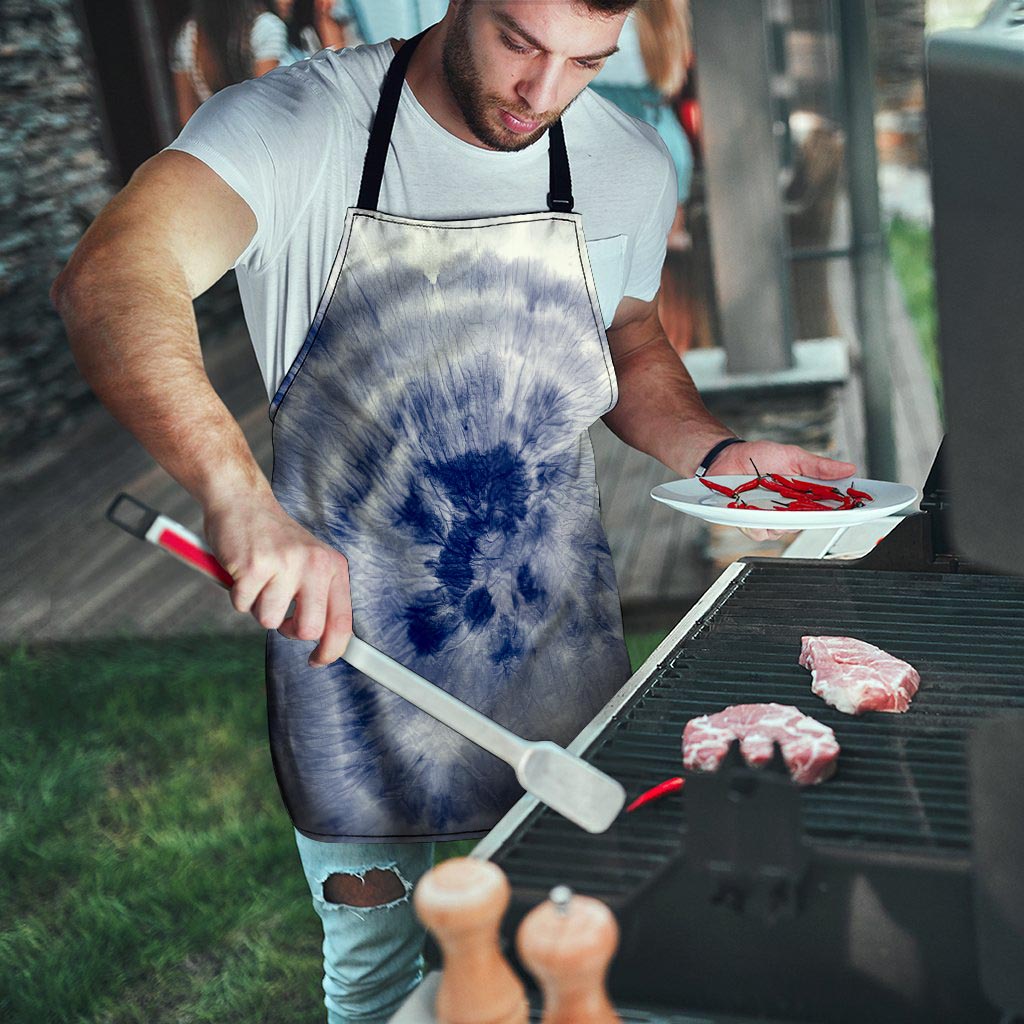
54,178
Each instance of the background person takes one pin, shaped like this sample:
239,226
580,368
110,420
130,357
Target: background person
314,24
644,79
221,43
647,74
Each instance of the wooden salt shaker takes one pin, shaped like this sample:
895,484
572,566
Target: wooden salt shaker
462,901
567,943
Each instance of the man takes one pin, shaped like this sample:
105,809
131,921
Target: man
428,302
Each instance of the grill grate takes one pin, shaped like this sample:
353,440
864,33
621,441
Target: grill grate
902,779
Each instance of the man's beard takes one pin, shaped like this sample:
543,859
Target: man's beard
464,83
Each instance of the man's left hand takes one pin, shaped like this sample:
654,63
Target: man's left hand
771,457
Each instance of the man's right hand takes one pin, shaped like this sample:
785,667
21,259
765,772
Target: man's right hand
275,561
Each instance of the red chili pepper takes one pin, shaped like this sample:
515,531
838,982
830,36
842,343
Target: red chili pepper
750,485
720,488
656,793
787,492
773,485
806,505
863,495
793,485
808,487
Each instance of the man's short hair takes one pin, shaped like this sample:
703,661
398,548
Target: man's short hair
609,6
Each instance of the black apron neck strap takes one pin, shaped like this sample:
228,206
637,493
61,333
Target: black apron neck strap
559,197
383,123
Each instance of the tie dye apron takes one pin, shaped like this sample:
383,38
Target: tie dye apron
433,428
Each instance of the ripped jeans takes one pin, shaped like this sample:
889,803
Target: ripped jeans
373,951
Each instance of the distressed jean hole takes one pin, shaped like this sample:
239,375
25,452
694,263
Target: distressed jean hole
374,889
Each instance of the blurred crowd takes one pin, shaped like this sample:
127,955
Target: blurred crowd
222,42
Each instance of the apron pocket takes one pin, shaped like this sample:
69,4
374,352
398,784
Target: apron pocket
608,266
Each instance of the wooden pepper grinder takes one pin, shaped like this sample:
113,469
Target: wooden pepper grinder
462,901
567,943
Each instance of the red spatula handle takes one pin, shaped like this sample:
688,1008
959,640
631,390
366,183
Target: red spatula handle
147,524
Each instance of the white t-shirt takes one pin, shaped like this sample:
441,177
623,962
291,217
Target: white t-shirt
292,144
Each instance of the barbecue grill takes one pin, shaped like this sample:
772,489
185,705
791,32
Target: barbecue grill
849,901
894,892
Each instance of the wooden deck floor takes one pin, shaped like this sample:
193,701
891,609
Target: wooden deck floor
74,575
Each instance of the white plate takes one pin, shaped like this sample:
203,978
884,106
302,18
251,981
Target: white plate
693,498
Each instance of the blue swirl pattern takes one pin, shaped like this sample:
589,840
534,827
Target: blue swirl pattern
434,429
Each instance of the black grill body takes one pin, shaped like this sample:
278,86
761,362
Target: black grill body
846,901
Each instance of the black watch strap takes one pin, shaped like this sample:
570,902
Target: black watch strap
705,463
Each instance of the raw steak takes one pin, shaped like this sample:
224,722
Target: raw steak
809,748
855,677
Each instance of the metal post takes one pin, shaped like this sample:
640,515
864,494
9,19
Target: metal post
868,239
748,237
154,66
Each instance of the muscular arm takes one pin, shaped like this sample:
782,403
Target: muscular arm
126,300
659,409
660,412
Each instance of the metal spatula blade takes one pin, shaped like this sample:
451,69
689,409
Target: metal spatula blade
577,790
563,781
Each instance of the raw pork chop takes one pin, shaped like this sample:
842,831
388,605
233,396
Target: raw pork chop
855,677
809,748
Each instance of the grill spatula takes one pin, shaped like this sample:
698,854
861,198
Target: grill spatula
566,783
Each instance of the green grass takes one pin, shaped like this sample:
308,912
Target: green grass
641,646
910,246
148,871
